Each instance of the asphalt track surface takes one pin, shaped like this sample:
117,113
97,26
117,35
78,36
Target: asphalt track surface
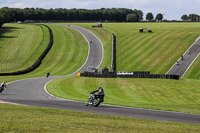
31,92
184,63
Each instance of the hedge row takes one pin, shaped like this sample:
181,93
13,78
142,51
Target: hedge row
38,62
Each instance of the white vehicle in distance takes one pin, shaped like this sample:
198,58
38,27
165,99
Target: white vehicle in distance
19,22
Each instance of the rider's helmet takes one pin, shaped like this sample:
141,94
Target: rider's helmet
3,84
99,89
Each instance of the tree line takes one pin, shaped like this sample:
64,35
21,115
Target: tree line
103,14
4,16
190,17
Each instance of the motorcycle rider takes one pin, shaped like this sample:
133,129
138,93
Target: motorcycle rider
3,85
99,92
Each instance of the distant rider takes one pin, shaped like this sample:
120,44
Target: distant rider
48,74
99,92
3,85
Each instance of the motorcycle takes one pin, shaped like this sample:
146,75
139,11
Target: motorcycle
94,100
1,89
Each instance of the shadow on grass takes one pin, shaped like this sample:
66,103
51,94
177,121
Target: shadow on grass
4,30
2,36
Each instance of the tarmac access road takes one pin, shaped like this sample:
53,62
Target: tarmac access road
186,60
31,92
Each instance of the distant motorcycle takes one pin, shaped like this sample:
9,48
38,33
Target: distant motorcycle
95,98
1,89
3,85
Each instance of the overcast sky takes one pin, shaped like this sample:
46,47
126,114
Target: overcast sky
173,9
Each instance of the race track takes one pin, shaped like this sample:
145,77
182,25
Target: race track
187,59
31,92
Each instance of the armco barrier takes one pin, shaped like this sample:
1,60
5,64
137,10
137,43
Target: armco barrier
38,62
145,75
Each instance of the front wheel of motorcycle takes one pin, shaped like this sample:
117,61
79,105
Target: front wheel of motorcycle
1,89
86,104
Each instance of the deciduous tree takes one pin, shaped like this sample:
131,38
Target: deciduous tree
184,17
193,17
149,16
159,17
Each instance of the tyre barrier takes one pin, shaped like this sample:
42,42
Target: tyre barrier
135,75
38,62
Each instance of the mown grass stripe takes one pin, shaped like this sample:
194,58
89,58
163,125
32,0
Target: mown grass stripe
37,48
129,49
64,48
19,44
151,51
36,63
142,53
158,58
129,55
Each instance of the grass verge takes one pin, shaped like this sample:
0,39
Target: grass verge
33,119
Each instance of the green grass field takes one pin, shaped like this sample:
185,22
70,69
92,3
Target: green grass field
68,54
21,46
194,71
33,119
